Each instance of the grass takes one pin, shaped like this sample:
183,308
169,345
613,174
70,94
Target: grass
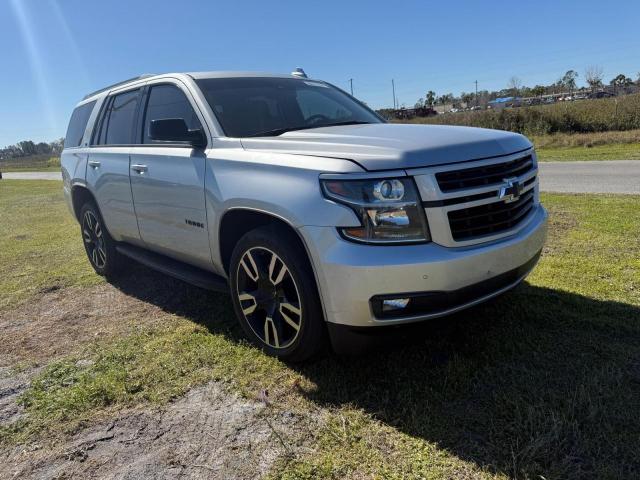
152,366
543,382
623,151
587,140
36,163
602,129
39,242
588,146
612,145
46,168
600,115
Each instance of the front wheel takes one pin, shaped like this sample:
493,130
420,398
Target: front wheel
275,296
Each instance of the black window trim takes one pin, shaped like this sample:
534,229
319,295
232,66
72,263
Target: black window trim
97,125
106,105
143,110
139,118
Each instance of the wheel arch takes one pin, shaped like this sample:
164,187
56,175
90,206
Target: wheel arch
79,196
238,221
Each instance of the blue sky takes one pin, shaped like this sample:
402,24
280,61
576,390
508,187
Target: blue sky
55,51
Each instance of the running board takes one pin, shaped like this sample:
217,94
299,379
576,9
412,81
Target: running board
180,270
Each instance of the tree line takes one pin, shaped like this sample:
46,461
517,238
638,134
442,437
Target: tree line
28,148
567,83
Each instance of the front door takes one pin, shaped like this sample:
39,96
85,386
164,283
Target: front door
167,182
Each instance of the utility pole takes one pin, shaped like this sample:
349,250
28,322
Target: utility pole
351,85
393,86
476,93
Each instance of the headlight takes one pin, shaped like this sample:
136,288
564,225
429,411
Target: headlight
389,209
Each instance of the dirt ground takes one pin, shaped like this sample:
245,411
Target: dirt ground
59,321
208,433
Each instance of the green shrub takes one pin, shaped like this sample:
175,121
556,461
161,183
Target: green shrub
583,116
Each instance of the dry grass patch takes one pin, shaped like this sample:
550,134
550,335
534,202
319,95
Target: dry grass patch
586,140
598,115
57,322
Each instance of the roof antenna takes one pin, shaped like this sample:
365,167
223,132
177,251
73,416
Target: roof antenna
299,72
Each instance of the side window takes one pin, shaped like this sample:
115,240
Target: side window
77,124
168,101
118,120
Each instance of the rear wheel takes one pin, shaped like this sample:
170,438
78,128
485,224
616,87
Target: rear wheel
100,247
275,295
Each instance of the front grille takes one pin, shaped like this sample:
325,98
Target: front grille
490,218
481,176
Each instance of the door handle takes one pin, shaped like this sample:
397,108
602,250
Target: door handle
94,163
136,167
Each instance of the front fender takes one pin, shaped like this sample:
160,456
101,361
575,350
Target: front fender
286,186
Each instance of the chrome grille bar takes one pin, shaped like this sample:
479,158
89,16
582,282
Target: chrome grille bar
485,175
463,205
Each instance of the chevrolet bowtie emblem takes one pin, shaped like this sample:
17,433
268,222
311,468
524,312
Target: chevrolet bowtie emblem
511,190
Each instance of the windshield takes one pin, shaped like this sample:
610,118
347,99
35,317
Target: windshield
261,106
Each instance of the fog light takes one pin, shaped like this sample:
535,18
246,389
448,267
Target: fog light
394,304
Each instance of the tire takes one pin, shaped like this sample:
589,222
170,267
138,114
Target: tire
275,296
100,247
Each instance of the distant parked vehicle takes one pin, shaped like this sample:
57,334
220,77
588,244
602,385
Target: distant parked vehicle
407,113
601,95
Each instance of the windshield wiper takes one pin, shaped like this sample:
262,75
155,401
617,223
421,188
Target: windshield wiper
279,131
337,124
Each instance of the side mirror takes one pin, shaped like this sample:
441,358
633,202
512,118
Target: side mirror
176,130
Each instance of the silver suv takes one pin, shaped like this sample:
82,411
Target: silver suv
314,213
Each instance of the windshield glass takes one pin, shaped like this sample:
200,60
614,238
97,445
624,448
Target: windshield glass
257,106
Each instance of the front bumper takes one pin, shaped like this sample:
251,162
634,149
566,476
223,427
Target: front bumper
350,275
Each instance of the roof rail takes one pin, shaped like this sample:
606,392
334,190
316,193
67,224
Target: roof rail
146,75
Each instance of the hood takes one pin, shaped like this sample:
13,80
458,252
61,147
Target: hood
388,146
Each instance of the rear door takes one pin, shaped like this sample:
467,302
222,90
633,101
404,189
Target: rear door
167,180
108,164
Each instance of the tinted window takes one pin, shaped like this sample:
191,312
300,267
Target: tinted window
313,102
77,124
168,101
252,106
118,122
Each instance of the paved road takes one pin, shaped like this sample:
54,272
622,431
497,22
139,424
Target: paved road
614,176
32,175
611,176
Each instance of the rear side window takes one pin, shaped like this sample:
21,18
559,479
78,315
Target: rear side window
78,124
118,121
168,101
